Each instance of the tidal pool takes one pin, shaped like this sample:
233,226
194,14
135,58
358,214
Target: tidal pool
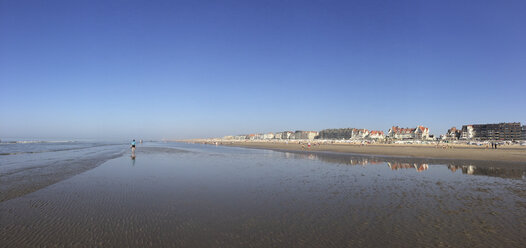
186,195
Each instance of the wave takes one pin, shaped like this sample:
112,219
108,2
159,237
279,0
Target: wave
35,141
50,149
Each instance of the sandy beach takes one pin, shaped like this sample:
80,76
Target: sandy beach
507,153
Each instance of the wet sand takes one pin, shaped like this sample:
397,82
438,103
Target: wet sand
515,154
42,173
214,196
31,172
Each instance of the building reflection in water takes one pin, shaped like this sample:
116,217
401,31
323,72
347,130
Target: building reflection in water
419,166
517,173
338,159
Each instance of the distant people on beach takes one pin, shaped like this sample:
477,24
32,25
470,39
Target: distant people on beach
494,145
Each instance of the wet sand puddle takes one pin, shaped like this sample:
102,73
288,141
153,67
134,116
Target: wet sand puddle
235,197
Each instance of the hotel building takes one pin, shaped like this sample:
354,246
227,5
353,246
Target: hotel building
500,131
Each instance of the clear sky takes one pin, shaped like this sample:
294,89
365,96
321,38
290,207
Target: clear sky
185,69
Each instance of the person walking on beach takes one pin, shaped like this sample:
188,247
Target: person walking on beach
133,148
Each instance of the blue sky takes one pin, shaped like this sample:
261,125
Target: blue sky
186,69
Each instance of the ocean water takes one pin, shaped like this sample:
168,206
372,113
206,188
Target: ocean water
188,195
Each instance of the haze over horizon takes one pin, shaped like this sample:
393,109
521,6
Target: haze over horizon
192,69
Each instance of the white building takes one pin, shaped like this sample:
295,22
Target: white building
468,132
240,137
311,135
452,134
377,135
268,136
401,133
358,134
420,133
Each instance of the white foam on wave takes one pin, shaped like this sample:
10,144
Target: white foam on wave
36,141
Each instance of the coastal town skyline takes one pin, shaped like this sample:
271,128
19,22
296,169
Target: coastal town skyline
179,70
511,131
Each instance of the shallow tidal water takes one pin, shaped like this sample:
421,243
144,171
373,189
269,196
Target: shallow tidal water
186,195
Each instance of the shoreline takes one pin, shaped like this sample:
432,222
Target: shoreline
508,154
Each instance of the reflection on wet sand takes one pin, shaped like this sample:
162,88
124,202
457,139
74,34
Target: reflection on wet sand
489,171
420,165
349,160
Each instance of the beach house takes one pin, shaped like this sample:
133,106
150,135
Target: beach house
401,133
422,133
419,133
376,135
359,134
268,136
452,134
240,137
